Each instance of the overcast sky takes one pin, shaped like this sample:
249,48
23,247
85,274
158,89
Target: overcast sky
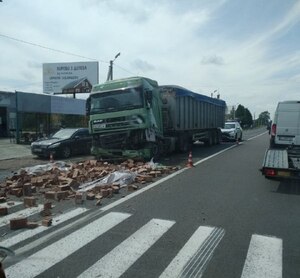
248,50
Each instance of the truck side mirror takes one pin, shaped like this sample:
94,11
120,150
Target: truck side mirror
87,106
149,96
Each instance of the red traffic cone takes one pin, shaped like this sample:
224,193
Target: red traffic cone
51,158
190,161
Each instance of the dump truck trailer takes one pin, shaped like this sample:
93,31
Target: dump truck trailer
136,118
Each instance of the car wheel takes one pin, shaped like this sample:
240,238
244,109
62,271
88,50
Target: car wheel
66,152
241,137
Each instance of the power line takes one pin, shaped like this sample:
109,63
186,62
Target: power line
49,48
61,51
124,69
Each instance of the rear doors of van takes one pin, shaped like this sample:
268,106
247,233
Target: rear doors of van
287,123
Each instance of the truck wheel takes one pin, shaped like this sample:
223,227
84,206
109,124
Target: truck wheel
156,150
209,141
185,143
219,137
216,138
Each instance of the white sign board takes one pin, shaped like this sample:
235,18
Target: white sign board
58,75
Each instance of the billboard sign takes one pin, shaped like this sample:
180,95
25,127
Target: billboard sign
58,75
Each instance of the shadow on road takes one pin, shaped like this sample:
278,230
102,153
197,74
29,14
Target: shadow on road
289,187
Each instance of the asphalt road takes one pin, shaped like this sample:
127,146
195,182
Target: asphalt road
221,218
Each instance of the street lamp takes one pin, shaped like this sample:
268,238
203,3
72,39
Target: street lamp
110,69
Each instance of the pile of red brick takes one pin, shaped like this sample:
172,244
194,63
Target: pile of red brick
58,185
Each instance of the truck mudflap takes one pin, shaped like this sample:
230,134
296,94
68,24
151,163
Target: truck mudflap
121,154
277,165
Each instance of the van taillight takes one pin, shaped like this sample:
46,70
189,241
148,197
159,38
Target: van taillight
273,130
270,172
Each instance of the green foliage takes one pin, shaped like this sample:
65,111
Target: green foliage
263,118
244,116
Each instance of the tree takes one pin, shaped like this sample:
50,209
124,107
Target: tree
264,118
240,112
248,118
244,116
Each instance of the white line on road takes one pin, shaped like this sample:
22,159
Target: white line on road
115,263
59,250
215,154
23,213
261,134
30,233
264,258
195,254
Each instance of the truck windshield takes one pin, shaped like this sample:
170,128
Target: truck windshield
117,100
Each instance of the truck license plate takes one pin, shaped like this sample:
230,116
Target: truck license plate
283,138
283,174
99,125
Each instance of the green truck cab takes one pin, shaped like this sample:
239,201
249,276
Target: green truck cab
125,118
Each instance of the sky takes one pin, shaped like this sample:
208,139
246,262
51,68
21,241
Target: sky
247,51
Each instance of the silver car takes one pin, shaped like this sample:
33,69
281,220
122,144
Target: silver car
232,131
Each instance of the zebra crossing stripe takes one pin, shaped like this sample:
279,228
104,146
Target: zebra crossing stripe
115,263
194,256
264,258
11,241
23,213
59,250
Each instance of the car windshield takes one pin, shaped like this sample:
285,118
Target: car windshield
63,134
229,126
116,101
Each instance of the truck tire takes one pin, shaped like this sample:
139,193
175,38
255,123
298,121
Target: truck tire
156,150
216,138
185,143
209,142
219,137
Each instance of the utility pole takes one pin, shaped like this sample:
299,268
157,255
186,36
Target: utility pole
110,69
17,135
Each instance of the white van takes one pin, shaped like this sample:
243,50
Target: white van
286,125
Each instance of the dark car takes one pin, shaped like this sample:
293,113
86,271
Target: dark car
64,143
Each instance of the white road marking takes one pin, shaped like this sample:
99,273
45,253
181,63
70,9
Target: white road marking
59,250
116,262
215,154
30,233
22,213
264,258
257,136
194,256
